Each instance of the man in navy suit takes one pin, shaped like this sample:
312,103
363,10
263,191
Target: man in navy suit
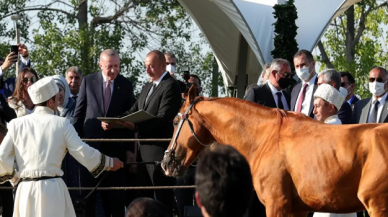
105,94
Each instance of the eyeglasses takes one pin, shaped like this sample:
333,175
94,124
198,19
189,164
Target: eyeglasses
32,80
376,79
287,75
170,63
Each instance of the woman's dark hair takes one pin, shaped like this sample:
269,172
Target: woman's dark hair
19,92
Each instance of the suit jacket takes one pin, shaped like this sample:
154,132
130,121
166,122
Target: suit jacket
90,105
295,93
354,102
6,112
262,95
164,103
361,111
345,113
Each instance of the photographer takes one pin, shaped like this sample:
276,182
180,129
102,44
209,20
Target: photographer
7,86
189,80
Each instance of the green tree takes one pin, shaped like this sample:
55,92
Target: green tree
74,32
355,42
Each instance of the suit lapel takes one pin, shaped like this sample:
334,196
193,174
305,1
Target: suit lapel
384,112
156,90
271,102
143,96
98,83
365,112
294,97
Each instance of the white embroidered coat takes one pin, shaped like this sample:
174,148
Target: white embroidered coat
39,142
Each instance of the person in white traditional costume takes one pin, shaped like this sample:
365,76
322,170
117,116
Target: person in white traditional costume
39,142
327,102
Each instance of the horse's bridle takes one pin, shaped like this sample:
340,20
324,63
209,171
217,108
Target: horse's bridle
184,117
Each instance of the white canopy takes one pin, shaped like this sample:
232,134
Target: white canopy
222,21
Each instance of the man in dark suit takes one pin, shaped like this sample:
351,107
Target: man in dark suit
105,94
272,94
162,98
348,82
333,78
374,109
303,92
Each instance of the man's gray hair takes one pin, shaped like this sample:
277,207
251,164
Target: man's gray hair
74,69
265,67
331,75
276,64
109,53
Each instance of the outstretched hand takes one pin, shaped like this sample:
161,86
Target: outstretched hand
117,164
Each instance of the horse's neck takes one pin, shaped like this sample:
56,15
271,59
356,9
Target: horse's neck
235,122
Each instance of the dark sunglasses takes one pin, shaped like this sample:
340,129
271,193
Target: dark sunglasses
288,75
343,84
32,80
171,63
376,79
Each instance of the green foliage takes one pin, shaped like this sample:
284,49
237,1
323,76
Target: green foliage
133,28
285,31
370,51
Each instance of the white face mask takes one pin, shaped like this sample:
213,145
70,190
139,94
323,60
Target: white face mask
170,68
343,91
303,73
377,88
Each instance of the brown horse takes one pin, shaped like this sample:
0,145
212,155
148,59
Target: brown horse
297,164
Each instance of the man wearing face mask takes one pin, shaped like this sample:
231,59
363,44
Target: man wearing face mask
272,94
302,93
171,63
375,109
347,82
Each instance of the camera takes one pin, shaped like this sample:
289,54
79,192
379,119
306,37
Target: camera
15,49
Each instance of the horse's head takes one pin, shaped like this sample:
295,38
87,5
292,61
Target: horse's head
189,139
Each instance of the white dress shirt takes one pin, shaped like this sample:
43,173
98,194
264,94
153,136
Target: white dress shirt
308,97
275,97
380,106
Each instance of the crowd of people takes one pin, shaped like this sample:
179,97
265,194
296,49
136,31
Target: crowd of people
46,117
327,96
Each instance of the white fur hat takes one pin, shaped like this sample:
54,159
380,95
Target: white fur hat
43,90
330,94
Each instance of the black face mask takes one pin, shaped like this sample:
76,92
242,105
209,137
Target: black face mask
283,82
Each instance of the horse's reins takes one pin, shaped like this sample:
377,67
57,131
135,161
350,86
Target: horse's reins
184,117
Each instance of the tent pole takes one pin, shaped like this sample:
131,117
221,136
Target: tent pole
242,67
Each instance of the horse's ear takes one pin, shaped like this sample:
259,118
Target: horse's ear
191,94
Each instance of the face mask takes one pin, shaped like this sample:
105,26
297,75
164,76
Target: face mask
377,88
283,82
343,91
303,73
170,68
